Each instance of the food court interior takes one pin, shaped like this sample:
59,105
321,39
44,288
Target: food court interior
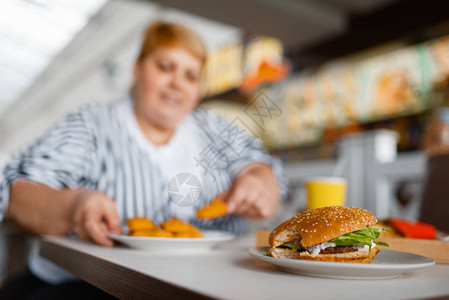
347,88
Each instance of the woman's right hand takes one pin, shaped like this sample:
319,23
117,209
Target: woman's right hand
94,215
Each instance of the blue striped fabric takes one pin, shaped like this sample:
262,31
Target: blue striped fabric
93,148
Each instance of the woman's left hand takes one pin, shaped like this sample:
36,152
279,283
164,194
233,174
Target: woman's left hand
254,192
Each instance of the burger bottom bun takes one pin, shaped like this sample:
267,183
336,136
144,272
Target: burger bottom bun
360,256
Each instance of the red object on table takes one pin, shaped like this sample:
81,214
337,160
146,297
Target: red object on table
416,230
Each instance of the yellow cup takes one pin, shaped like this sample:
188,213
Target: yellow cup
325,191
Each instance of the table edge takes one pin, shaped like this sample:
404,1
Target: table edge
113,278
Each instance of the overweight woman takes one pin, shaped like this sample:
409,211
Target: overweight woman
107,163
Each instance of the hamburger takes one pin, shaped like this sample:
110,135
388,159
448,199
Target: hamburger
333,233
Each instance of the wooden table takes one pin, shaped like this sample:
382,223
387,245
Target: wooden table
227,272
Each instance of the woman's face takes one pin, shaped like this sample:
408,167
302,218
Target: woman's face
167,86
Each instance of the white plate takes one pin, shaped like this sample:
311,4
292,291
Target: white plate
209,240
387,264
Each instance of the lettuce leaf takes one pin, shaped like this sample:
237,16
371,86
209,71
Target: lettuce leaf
361,237
382,244
291,246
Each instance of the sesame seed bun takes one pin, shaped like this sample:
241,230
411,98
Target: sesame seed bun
316,226
320,225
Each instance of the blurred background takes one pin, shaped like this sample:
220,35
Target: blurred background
349,88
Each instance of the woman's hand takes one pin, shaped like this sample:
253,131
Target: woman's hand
254,192
94,215
44,210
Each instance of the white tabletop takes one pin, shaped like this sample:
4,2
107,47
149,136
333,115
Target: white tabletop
227,272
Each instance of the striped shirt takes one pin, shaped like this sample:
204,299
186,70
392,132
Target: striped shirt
101,147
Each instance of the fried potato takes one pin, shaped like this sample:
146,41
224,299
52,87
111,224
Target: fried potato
140,223
191,233
175,225
214,209
151,233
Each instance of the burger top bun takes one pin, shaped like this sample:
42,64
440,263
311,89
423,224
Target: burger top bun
323,224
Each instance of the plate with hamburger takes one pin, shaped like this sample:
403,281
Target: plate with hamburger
172,235
336,242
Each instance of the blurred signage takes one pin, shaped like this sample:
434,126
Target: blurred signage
340,93
262,48
260,62
440,50
263,63
223,70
